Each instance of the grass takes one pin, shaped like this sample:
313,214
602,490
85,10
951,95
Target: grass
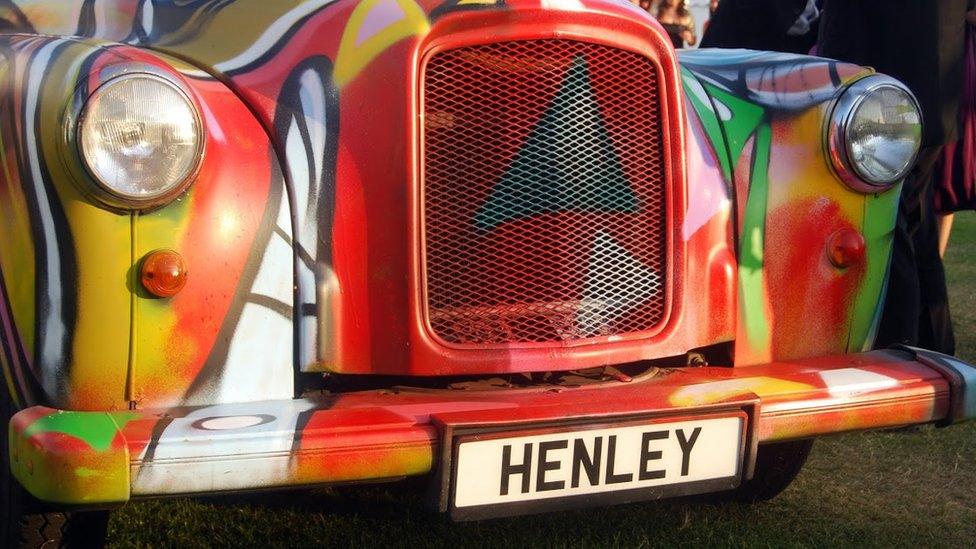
877,489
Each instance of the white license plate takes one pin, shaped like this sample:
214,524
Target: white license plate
507,468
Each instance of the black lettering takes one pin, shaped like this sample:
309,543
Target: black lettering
611,454
686,446
545,465
647,456
508,469
591,464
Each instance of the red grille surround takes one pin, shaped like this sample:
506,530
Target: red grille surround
544,194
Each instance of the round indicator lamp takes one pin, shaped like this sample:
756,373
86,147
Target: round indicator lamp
163,273
845,247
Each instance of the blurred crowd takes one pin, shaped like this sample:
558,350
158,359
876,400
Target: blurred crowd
779,25
676,19
928,45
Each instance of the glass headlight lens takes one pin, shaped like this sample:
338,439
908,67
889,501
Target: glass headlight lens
876,133
884,134
140,138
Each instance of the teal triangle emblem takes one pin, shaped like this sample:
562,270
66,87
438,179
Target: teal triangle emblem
567,164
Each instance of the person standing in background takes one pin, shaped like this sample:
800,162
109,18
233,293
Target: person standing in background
921,43
712,6
945,220
678,22
646,5
773,25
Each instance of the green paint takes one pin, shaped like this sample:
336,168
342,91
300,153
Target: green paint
880,212
97,429
746,118
568,163
173,213
709,121
751,292
743,121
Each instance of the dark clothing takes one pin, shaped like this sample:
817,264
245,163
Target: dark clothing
674,31
919,42
758,25
916,307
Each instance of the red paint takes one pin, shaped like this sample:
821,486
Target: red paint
377,323
376,434
226,207
507,267
742,176
221,213
616,27
376,315
809,297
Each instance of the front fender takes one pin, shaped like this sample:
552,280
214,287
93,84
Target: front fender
81,331
765,113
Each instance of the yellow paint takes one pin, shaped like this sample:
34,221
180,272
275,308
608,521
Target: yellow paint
101,244
17,251
353,57
113,22
239,31
59,21
70,478
720,391
800,173
799,170
9,381
17,265
160,354
17,255
101,340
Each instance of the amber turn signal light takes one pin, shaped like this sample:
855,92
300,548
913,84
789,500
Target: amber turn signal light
845,247
163,273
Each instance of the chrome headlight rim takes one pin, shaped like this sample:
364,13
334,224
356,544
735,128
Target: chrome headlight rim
838,132
105,192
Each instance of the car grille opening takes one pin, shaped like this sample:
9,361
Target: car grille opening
544,193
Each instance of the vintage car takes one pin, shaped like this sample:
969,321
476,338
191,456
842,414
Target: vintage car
520,248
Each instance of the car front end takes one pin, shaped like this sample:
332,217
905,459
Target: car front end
521,248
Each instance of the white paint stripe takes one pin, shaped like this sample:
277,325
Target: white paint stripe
259,360
313,107
275,32
181,465
297,166
148,16
847,382
570,5
272,280
52,350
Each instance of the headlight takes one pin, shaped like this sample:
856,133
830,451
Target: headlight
141,139
875,133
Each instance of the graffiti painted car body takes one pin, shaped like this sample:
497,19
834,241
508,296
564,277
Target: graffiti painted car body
420,224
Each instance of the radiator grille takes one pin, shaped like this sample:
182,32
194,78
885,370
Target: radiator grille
544,193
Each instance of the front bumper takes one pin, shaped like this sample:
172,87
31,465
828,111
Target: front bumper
97,458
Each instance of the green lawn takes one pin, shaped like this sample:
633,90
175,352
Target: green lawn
879,489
